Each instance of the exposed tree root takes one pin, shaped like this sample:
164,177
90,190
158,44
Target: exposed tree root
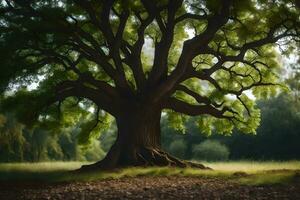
143,157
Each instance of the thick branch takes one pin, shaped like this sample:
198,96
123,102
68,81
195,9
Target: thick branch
160,65
194,110
114,42
189,47
196,96
190,16
78,89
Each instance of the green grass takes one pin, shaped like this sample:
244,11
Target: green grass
242,172
270,178
40,166
253,166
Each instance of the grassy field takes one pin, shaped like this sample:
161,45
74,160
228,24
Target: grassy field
243,172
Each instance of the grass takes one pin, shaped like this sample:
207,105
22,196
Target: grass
242,172
270,178
253,166
40,166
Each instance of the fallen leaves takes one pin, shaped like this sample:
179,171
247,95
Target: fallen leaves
172,187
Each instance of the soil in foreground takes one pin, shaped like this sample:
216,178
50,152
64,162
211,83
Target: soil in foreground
149,188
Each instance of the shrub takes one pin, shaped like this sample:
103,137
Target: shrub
210,150
178,148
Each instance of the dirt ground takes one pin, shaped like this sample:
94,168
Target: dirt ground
148,188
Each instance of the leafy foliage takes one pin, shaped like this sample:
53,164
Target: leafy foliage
178,148
211,151
19,143
187,57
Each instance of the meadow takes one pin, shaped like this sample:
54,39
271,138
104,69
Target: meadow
242,172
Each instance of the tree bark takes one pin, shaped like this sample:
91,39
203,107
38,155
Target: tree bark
138,142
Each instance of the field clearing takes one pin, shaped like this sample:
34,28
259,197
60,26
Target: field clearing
253,166
243,172
228,180
230,166
40,166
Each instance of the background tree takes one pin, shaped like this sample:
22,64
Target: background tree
19,143
12,142
134,59
278,137
210,150
178,148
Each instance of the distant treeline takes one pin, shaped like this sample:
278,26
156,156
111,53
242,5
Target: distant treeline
277,138
19,143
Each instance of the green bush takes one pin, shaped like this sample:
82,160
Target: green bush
93,152
210,150
178,148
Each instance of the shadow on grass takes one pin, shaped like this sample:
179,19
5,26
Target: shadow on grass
69,176
271,177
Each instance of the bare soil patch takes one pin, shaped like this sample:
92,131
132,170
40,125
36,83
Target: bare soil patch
173,187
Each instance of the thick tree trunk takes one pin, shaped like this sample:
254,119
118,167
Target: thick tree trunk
138,143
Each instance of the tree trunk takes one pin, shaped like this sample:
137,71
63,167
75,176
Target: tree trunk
138,142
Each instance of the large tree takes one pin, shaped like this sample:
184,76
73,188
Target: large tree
135,60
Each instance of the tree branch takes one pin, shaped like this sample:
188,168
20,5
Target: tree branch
189,47
194,110
68,88
162,48
190,16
